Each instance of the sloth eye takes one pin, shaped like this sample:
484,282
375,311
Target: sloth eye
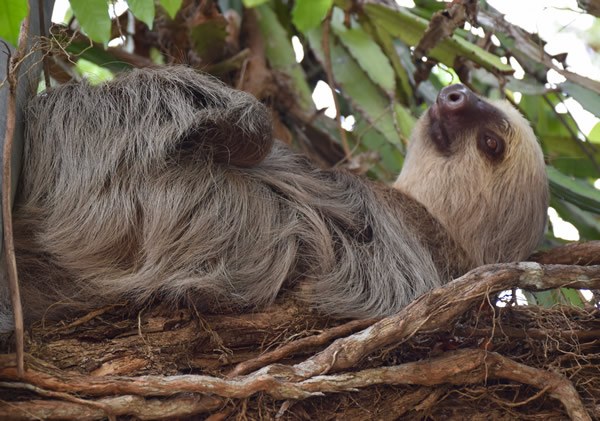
491,145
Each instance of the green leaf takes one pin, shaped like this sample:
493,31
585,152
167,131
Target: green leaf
367,138
92,72
280,53
12,13
546,298
586,223
545,120
564,296
429,6
97,55
253,3
409,29
143,10
574,191
357,87
308,14
568,154
405,89
209,39
528,85
366,52
171,7
588,99
93,18
404,120
573,297
594,135
563,153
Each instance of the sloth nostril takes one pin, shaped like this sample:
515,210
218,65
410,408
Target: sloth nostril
455,97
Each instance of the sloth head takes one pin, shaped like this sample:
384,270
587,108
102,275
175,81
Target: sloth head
477,167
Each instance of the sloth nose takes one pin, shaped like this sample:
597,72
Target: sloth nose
456,98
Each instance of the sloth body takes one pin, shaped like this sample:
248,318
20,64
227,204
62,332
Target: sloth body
166,184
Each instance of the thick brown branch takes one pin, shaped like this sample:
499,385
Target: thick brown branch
459,367
540,334
442,306
137,406
571,254
437,310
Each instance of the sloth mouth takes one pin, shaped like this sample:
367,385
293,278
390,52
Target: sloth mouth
437,130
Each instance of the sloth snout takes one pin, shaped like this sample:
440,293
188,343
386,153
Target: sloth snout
456,98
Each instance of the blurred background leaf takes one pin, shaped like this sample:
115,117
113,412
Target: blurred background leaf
12,13
171,7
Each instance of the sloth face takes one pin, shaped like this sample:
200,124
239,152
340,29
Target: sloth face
476,165
459,111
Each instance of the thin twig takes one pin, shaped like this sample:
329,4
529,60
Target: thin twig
9,245
304,343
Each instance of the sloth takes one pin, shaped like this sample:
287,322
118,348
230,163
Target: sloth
164,184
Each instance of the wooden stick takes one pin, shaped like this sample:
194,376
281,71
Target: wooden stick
9,245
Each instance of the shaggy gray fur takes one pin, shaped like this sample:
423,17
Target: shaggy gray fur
167,184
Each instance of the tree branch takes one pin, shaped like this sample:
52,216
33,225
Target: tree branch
442,306
570,254
470,366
